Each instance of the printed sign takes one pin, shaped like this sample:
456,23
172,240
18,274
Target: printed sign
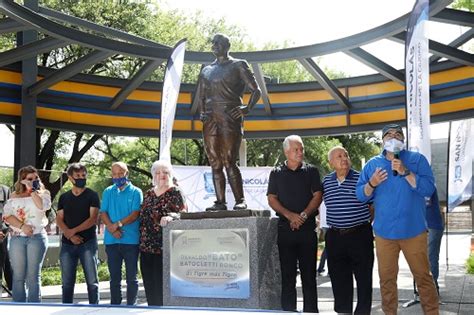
196,183
210,263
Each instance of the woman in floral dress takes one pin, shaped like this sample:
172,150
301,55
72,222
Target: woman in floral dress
24,212
161,204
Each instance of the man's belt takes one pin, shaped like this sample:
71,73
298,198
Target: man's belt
343,231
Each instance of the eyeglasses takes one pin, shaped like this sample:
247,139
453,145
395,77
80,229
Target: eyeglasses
31,178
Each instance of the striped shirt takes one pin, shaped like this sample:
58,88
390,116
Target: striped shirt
343,209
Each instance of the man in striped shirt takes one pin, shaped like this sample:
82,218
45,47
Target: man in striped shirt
349,240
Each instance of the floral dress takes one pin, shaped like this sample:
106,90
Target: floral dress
153,209
25,210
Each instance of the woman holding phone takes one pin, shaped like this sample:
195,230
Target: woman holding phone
24,212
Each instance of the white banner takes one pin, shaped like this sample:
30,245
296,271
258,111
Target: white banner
210,263
417,81
196,183
169,97
461,151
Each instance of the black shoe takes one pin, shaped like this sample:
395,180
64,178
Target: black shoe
217,206
241,205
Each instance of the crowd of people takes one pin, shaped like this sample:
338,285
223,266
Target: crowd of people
395,185
133,229
385,201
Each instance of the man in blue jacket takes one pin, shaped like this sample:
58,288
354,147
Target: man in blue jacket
399,180
435,224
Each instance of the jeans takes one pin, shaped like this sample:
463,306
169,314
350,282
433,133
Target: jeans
5,268
322,260
26,258
151,266
434,245
116,254
69,257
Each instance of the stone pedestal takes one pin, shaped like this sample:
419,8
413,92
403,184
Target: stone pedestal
262,277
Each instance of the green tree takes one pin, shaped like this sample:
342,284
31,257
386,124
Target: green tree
6,177
463,4
56,149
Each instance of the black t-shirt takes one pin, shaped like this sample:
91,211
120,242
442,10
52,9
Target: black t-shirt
295,189
76,210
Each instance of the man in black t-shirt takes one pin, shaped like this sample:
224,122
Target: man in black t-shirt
295,192
78,210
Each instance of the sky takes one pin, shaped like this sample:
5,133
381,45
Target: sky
303,22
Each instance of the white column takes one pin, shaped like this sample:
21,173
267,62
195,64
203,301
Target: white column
243,153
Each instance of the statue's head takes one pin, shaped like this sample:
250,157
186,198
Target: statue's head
220,45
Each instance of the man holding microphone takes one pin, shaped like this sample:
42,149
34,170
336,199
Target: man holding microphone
398,181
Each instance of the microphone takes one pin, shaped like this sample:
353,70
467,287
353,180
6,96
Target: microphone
396,154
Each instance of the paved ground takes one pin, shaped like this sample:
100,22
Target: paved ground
456,289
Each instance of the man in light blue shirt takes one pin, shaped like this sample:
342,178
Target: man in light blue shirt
399,180
119,211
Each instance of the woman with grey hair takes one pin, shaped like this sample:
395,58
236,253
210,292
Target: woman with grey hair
161,204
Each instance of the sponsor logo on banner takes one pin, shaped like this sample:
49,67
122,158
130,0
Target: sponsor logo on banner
461,151
417,81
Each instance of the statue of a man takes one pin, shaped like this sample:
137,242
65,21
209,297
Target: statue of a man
220,90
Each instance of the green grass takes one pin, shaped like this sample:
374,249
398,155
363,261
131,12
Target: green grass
52,275
470,264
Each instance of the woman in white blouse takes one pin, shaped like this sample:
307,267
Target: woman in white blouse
25,214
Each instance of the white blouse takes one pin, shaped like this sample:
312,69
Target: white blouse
25,210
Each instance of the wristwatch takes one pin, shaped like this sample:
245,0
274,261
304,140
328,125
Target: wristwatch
407,172
119,223
303,215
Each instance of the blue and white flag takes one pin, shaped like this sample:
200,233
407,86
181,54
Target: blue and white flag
417,85
169,97
461,151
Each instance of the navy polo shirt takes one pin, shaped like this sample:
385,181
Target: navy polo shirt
295,188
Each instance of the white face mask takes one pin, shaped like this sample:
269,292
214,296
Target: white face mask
394,145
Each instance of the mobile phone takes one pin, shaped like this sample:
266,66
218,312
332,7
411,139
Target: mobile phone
36,185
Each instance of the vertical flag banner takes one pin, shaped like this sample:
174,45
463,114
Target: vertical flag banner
169,97
417,85
461,151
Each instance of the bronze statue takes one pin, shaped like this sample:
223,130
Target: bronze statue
220,88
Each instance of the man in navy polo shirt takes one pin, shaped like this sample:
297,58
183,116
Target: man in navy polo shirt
349,239
294,192
119,211
398,181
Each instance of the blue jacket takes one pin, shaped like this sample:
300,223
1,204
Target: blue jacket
400,209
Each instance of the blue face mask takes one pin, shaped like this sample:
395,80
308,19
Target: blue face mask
119,182
80,182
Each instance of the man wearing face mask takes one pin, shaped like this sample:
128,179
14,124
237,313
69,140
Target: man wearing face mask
119,211
78,210
398,181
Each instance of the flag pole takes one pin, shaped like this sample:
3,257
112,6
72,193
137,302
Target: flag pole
446,219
